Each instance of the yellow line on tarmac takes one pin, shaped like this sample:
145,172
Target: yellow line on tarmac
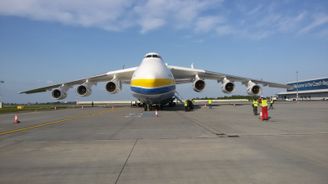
50,123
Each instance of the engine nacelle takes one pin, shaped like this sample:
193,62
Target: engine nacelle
59,93
113,86
84,90
253,89
227,86
198,85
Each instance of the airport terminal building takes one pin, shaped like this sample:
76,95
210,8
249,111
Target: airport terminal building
315,89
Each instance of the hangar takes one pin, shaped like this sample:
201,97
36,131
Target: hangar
314,89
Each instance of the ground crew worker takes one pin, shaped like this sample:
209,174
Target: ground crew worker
255,104
186,105
271,103
264,105
209,102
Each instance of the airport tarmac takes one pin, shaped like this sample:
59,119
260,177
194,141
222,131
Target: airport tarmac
226,144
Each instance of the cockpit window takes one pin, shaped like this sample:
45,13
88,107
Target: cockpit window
153,56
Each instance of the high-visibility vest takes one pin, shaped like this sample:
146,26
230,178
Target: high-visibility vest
255,103
210,102
185,104
264,103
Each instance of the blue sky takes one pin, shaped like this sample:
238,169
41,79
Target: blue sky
43,42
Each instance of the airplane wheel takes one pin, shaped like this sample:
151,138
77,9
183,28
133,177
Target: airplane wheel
171,104
159,107
191,105
146,107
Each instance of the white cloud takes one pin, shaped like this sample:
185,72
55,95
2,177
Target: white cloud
255,10
224,30
318,20
149,23
207,23
288,24
97,13
110,15
154,14
255,20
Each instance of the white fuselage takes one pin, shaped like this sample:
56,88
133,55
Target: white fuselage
153,82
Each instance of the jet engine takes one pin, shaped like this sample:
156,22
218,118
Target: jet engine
253,89
59,93
84,90
198,85
113,86
227,86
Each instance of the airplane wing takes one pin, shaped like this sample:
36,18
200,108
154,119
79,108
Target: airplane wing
187,75
123,75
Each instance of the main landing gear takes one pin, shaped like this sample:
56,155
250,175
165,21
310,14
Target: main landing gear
148,107
172,104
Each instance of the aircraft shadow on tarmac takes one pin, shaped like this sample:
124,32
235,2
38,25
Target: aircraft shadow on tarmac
178,108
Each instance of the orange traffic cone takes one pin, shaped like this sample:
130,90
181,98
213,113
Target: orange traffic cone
16,120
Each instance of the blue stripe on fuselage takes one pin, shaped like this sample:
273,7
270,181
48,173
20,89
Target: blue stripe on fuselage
152,91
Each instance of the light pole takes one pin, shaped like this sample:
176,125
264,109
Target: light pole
296,85
1,82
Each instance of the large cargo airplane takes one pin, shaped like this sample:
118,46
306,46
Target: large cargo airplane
154,83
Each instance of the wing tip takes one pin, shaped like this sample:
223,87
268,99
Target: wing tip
22,92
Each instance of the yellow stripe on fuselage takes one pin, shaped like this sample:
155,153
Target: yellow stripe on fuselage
152,83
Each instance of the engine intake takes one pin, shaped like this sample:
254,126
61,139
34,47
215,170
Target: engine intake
227,86
199,85
59,93
253,89
113,86
84,90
